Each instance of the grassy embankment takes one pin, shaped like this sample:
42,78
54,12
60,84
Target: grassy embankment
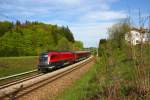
115,77
15,65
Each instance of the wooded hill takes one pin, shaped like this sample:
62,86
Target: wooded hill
32,38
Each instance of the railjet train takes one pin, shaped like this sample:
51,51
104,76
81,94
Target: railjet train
54,59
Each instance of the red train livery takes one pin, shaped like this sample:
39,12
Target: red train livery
54,59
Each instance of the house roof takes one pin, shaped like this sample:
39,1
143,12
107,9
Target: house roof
141,30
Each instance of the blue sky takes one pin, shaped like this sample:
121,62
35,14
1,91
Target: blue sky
87,19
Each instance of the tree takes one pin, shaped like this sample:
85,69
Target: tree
78,45
117,34
63,44
18,23
102,47
31,38
5,27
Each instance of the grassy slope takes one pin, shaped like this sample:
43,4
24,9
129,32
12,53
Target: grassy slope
14,65
119,80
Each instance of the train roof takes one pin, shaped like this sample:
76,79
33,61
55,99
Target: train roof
81,51
54,52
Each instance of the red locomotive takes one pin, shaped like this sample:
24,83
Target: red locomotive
55,59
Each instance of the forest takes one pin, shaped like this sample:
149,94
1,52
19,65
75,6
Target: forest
32,38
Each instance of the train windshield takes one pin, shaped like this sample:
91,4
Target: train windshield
43,59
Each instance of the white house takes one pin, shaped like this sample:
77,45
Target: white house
135,37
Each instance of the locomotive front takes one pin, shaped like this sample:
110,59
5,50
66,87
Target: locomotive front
44,63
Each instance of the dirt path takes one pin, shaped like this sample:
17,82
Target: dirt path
49,91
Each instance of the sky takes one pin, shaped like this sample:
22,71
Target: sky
87,19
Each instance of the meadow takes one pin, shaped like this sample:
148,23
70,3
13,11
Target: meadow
15,65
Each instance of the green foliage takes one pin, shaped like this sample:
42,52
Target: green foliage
126,67
31,38
116,38
102,47
78,45
63,44
117,34
67,33
5,27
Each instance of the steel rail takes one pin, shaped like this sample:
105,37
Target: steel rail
16,75
19,81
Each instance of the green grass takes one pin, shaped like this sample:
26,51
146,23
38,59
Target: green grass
21,57
15,65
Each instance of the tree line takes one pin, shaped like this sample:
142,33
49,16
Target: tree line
32,38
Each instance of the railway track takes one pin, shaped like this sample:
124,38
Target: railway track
13,79
24,87
10,83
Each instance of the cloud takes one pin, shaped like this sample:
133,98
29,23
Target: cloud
58,9
87,19
106,15
90,33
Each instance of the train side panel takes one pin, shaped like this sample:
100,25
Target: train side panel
52,60
80,55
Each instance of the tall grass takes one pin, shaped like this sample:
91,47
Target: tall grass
128,76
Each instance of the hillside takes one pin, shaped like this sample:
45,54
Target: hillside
32,38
